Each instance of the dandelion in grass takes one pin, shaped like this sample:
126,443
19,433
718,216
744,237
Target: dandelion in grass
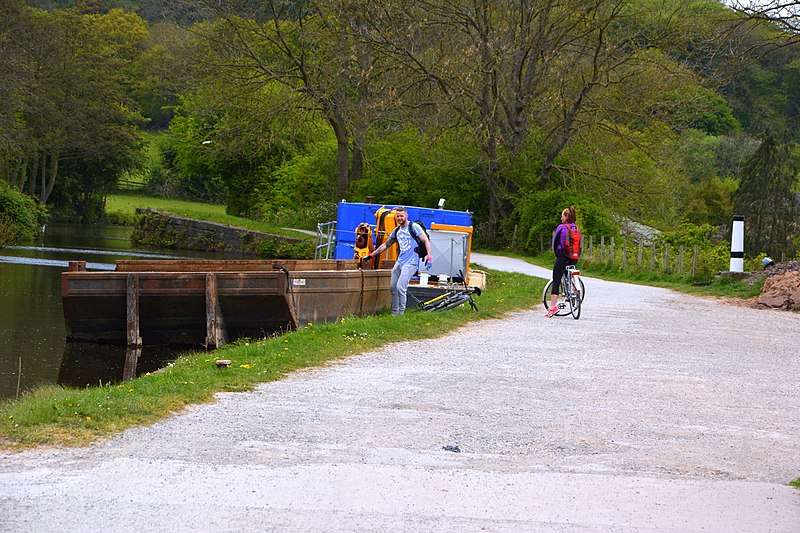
246,365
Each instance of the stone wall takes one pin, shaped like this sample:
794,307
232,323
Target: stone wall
156,228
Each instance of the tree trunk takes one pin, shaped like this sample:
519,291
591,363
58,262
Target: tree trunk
342,155
31,178
52,178
357,170
43,178
495,200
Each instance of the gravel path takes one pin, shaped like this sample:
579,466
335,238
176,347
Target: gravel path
669,413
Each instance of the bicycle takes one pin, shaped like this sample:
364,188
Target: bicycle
451,299
571,295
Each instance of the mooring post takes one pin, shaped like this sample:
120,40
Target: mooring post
132,354
77,266
215,326
132,323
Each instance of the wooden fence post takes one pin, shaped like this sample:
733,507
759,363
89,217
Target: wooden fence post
680,260
652,257
639,257
602,248
514,238
611,256
591,243
624,253
666,258
694,260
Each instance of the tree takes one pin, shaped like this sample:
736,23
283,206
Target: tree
517,73
312,49
73,108
766,199
785,14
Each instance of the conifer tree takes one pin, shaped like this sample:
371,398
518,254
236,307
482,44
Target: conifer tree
766,199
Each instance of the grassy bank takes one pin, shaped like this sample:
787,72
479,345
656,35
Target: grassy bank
70,417
121,207
718,287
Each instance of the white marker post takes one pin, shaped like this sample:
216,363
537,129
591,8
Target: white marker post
737,244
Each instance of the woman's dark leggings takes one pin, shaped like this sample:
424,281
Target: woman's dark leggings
559,268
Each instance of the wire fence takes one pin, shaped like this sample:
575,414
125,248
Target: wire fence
630,255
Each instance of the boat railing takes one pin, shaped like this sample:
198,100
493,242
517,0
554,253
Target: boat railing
325,240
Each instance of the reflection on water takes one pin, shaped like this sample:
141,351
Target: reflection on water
88,363
32,321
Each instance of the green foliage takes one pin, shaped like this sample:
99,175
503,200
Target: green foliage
538,214
282,249
690,235
412,169
296,189
21,216
695,107
710,201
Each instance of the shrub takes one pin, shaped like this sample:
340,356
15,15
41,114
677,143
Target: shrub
282,249
537,216
21,215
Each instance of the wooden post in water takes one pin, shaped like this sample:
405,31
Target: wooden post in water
132,354
215,325
132,300
77,266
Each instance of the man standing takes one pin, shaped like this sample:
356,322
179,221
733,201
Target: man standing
407,260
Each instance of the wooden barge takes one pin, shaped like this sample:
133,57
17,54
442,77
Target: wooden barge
209,303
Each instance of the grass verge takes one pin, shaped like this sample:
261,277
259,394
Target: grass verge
717,287
63,416
122,206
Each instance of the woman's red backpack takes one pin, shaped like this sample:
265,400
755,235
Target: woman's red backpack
574,244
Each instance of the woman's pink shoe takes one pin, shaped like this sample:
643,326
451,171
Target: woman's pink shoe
551,312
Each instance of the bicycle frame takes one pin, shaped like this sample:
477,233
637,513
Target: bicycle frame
571,293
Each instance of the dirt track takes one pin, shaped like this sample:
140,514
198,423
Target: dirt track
671,413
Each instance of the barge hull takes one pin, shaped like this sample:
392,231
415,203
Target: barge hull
200,303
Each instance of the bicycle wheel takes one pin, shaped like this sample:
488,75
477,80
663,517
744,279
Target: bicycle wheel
582,288
439,304
575,303
562,302
546,295
454,302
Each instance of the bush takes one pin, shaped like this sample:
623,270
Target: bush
281,249
21,216
537,216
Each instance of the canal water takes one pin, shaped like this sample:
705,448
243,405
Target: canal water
33,349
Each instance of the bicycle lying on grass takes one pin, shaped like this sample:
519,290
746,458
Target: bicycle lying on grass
452,298
570,296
